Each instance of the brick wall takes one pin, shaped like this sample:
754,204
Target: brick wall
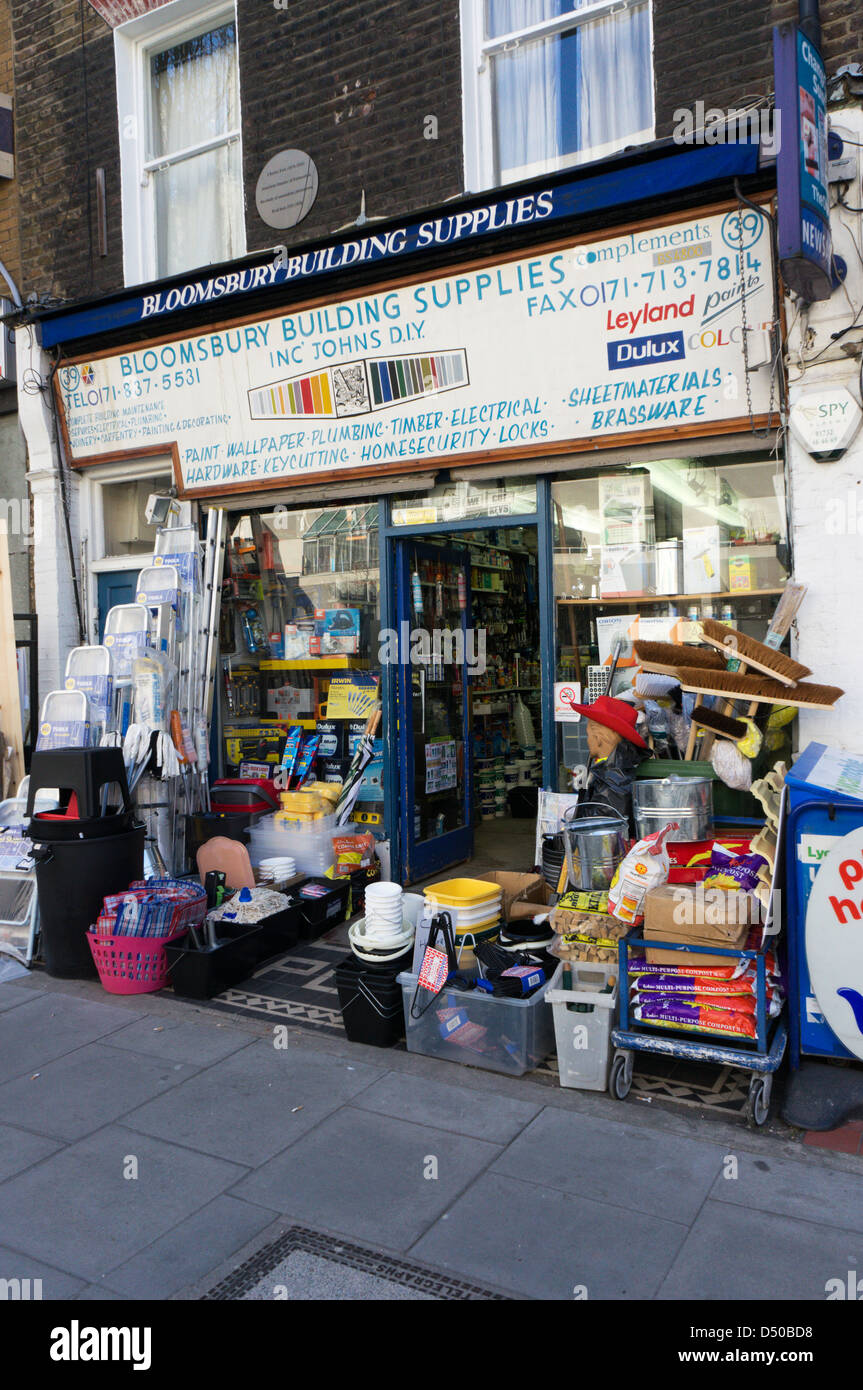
65,91
351,84
722,53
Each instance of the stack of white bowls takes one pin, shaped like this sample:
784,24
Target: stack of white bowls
387,930
277,870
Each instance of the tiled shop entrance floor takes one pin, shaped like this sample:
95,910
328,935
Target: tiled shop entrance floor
304,1264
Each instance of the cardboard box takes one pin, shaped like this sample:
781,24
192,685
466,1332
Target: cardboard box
625,508
627,569
514,886
699,916
536,898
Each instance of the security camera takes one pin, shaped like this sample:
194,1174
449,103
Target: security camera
160,509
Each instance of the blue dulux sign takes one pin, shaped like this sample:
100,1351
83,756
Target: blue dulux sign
635,352
805,245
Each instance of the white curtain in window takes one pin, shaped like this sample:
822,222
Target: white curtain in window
198,200
588,89
614,72
526,90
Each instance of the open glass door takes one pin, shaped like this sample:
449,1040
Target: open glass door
433,606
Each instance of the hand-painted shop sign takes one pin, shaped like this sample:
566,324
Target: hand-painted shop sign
664,173
533,355
805,244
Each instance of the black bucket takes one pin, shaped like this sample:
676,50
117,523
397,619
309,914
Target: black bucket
371,1004
72,878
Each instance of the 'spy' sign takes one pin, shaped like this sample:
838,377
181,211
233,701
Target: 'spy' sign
805,245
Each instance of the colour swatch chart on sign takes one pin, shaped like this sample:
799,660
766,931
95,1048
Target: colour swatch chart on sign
441,771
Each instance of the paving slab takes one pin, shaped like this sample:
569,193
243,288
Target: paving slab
79,1211
55,1283
477,1113
254,1103
198,1044
96,1293
19,1150
736,1253
50,1027
798,1190
190,1250
362,1174
92,1086
539,1242
627,1166
12,996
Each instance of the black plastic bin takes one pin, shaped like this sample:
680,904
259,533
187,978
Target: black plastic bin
318,915
201,974
72,878
371,1004
205,825
281,932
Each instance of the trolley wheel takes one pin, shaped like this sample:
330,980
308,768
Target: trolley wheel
621,1075
758,1105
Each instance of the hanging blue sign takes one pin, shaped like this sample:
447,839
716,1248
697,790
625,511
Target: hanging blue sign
805,245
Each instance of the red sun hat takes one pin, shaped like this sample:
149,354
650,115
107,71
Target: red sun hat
618,715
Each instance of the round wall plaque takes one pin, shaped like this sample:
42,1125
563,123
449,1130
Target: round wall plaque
286,189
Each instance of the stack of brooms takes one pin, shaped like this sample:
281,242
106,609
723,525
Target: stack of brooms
735,669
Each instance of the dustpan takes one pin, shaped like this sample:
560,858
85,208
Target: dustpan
228,857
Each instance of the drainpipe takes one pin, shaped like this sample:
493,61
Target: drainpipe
810,21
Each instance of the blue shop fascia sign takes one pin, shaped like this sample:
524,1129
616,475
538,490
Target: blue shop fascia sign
614,184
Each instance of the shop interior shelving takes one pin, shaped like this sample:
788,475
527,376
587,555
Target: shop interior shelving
668,598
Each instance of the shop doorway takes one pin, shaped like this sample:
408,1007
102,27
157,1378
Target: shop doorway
434,628
119,586
469,744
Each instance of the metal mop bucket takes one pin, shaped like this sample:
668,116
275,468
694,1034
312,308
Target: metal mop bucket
594,845
688,800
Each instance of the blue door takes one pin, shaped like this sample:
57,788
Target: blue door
434,740
113,589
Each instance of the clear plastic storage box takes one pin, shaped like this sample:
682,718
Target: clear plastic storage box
507,1035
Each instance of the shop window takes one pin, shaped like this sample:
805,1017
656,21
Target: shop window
181,156
125,528
300,606
549,84
649,550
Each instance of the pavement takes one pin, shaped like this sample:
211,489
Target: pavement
148,1151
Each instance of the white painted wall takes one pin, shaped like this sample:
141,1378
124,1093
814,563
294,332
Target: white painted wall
827,498
52,582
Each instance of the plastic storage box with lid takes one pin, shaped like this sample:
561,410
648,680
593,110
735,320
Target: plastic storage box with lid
583,1016
512,1036
824,803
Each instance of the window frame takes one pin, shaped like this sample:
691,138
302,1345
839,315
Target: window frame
134,43
477,100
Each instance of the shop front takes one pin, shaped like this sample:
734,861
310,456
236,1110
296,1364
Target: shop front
464,493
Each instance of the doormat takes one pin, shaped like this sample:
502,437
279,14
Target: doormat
305,1264
298,988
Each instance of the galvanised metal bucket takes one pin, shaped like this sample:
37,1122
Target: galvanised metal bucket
595,845
688,800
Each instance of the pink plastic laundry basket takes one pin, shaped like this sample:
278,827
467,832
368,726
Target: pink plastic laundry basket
131,964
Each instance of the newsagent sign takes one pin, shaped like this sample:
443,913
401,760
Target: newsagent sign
595,343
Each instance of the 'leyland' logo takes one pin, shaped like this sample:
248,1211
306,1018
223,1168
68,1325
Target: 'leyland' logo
638,352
